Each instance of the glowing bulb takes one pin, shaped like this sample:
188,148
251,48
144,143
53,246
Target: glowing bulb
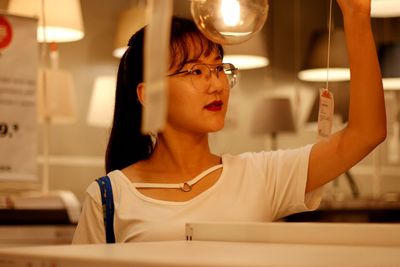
230,10
229,21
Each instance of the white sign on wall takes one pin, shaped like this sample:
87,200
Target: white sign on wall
18,79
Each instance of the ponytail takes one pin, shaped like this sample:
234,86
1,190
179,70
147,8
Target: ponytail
127,144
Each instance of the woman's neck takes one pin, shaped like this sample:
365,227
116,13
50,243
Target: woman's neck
176,158
187,153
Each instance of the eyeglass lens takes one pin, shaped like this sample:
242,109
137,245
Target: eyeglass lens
201,75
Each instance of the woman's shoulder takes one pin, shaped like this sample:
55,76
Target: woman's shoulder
241,160
115,177
247,157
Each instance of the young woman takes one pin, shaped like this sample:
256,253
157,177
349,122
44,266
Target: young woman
159,187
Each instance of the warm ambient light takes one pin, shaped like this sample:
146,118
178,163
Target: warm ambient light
385,8
391,83
245,62
229,21
321,75
63,18
230,11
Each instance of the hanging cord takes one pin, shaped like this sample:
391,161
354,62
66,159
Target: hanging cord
296,27
329,44
46,117
44,46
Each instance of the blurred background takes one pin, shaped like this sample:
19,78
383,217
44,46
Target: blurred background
76,149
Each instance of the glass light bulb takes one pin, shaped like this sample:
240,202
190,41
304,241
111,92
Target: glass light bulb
230,10
229,21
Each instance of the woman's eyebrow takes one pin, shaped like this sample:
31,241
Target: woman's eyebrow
199,61
194,60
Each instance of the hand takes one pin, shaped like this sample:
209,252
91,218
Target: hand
355,6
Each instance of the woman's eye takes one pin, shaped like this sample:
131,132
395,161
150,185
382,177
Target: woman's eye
196,72
219,69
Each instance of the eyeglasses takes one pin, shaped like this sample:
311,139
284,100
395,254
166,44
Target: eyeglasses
200,75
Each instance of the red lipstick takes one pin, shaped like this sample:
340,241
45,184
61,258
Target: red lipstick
214,106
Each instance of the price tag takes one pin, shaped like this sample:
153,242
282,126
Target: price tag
8,130
18,79
325,114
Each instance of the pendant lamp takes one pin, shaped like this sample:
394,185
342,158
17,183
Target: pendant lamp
385,8
315,66
229,21
250,54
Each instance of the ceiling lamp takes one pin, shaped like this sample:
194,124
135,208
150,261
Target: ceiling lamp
385,8
389,58
315,67
251,54
129,22
229,21
62,18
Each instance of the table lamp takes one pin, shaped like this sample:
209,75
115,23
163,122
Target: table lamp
101,108
272,116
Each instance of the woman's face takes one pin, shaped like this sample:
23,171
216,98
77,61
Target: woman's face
198,105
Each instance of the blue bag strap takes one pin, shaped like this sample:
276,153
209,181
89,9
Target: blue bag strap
107,201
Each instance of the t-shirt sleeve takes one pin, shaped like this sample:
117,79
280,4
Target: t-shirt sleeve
90,228
286,171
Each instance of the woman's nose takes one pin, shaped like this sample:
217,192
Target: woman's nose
216,84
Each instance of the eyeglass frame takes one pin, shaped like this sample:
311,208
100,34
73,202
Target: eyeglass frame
230,81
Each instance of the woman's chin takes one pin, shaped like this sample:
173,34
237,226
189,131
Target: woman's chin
217,127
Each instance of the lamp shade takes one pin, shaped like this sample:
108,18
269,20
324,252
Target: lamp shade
273,115
129,21
251,54
389,58
315,67
101,108
385,8
63,18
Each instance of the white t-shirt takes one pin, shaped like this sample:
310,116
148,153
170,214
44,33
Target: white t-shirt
253,187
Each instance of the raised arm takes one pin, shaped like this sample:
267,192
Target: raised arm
366,127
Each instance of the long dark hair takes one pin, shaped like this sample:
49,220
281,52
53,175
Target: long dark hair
127,144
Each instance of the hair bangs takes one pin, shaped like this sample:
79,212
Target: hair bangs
190,47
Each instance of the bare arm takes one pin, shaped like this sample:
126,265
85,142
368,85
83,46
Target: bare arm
366,127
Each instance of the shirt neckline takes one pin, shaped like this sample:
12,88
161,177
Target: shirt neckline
184,186
177,203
